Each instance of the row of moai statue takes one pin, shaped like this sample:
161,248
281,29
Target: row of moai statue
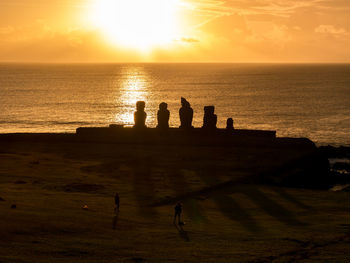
186,116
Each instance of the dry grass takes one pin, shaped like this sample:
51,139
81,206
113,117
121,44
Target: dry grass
49,183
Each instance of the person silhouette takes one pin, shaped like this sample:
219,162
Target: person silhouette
209,119
140,115
116,202
186,114
116,210
178,211
163,115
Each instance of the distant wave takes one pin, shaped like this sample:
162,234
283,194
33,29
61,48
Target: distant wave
204,83
69,123
46,122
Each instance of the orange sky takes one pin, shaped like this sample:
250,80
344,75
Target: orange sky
206,31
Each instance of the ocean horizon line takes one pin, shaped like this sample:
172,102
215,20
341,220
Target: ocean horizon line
164,62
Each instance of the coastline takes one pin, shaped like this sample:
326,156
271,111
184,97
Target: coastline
298,153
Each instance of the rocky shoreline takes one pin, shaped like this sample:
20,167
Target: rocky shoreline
339,160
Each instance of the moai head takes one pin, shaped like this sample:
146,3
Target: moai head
163,106
209,110
185,103
140,105
229,123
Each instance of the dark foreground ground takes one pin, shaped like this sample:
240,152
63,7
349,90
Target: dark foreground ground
230,215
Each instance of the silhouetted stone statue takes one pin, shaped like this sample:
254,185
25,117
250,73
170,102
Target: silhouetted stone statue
140,115
209,119
229,124
163,116
186,114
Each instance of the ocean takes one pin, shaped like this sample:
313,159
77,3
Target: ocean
296,100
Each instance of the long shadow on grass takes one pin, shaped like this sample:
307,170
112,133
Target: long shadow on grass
192,208
182,233
271,207
144,190
290,198
220,193
230,208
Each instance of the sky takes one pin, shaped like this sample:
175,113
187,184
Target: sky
175,31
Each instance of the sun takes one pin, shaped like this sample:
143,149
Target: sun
140,24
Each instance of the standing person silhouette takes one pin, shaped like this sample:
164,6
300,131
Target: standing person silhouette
116,201
116,210
178,211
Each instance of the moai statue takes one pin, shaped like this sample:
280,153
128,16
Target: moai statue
163,115
209,119
140,115
229,124
186,114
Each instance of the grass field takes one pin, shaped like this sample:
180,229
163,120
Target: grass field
237,222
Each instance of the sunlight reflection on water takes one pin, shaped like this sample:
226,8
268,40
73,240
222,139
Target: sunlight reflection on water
133,88
295,100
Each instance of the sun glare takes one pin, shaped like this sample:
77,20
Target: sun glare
140,24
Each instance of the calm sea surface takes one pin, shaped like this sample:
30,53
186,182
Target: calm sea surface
295,100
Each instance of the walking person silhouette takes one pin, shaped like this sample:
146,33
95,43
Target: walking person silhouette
116,210
178,211
116,201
